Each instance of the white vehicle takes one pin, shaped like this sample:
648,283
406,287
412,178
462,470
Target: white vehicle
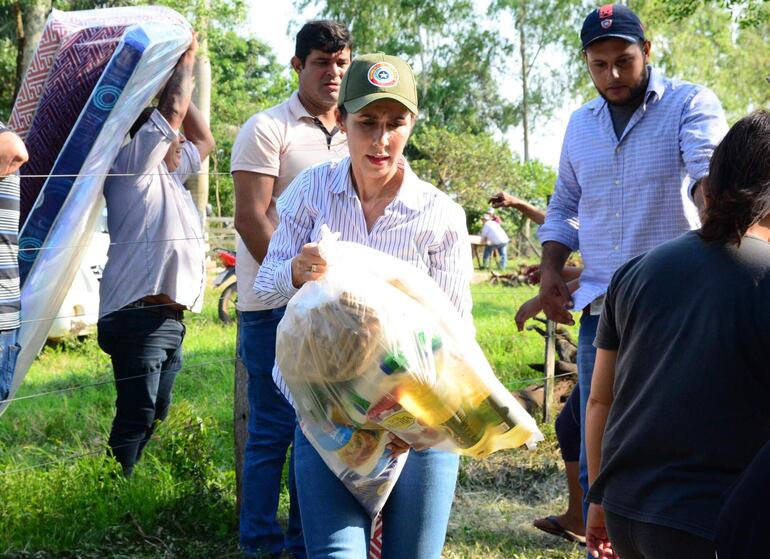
80,310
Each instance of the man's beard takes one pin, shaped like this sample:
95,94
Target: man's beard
636,94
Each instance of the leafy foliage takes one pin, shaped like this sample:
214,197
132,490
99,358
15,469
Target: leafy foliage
716,43
713,44
540,26
7,69
470,168
455,60
246,79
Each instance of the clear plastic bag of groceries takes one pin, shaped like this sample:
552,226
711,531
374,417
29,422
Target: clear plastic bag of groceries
375,347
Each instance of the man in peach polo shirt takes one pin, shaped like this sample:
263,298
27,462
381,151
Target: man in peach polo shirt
271,149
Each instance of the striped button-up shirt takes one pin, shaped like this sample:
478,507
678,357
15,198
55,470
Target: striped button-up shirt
421,226
10,300
617,198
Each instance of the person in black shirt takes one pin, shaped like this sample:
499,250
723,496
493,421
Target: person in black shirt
678,403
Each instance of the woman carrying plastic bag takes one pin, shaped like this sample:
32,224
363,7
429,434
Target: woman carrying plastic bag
353,459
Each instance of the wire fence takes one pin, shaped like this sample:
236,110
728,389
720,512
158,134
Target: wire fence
103,449
195,366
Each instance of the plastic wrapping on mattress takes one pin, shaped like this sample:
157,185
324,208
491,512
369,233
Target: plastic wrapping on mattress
68,206
71,80
58,27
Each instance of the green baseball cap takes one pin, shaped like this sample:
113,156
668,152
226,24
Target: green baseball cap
372,77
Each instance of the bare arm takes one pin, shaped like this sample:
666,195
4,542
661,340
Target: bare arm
505,200
13,153
253,193
699,197
175,97
570,273
197,131
599,403
530,308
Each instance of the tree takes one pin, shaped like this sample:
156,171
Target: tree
22,24
541,24
245,72
719,44
248,79
470,168
454,59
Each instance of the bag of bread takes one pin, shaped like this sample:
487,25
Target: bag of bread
375,347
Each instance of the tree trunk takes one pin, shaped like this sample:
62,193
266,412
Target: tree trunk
524,78
30,21
240,419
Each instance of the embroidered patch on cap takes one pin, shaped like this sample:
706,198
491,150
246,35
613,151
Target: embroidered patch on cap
383,74
606,23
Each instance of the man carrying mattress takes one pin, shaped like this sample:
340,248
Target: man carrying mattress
155,264
13,155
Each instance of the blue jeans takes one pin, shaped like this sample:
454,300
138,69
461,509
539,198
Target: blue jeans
414,519
271,431
586,356
9,351
146,352
501,249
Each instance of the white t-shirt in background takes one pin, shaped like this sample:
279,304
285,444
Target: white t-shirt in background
494,233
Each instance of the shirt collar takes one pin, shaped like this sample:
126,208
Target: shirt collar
409,195
296,107
656,85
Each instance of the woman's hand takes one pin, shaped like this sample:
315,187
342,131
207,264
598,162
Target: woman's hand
397,446
597,540
307,266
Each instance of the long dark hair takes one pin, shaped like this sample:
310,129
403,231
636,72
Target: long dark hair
738,185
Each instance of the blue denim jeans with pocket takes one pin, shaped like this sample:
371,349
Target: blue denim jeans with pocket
271,432
9,351
414,519
146,352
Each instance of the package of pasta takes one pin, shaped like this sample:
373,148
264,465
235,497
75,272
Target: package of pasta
375,347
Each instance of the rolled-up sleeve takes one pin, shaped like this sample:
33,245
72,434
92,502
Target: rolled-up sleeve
561,219
703,126
451,265
190,163
273,285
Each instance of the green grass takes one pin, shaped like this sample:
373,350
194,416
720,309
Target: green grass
508,351
62,498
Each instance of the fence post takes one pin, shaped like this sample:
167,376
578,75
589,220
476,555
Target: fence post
550,369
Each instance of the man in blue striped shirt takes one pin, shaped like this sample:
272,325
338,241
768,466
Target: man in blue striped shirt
628,174
13,155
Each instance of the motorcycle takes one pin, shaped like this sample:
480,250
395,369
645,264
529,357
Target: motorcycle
229,296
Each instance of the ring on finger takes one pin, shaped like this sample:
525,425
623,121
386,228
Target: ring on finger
312,268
